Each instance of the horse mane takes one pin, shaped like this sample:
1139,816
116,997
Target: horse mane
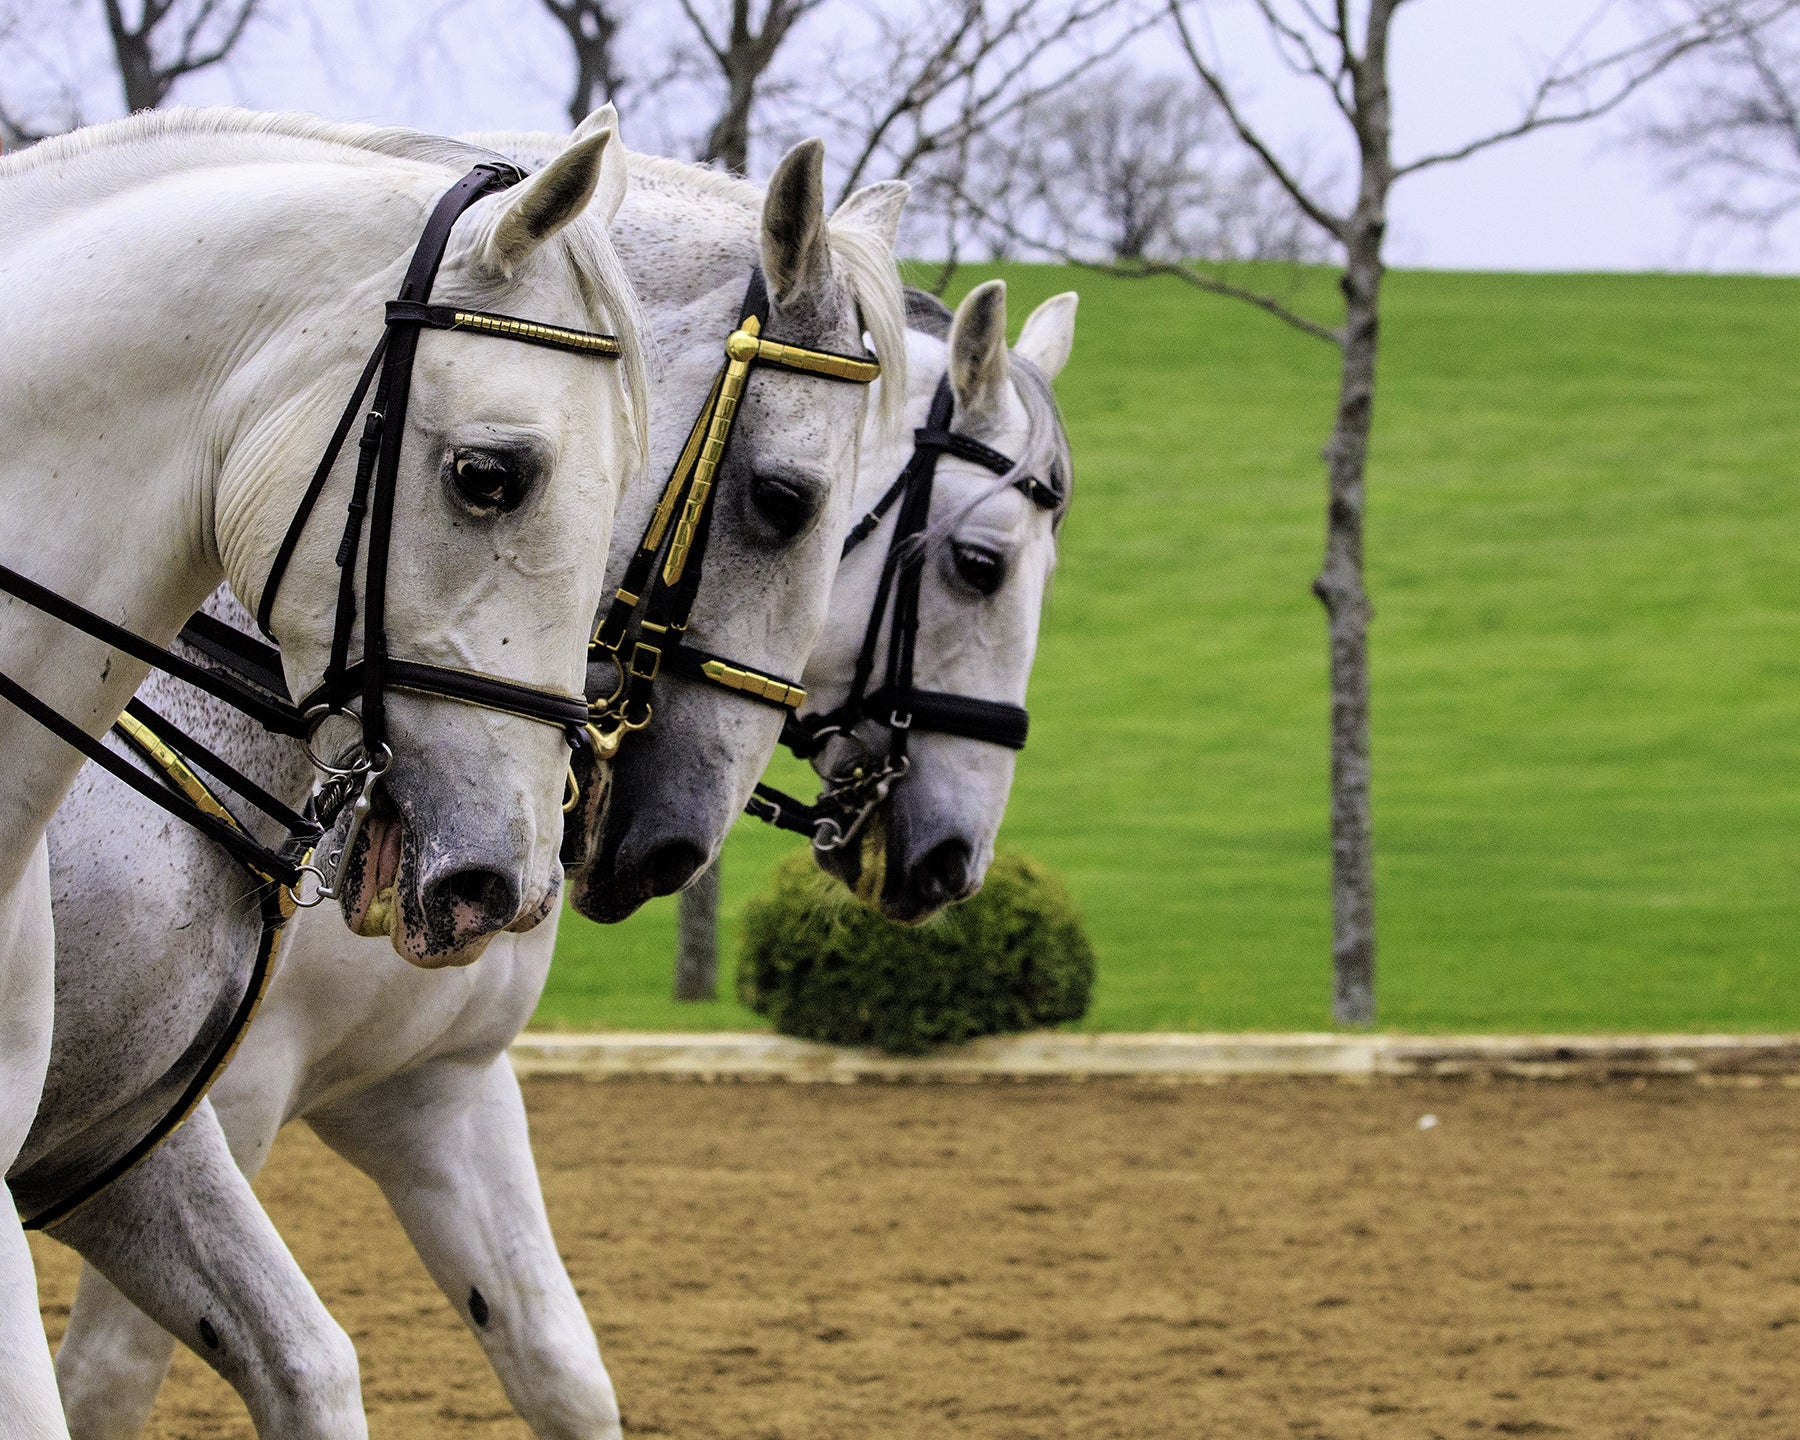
860,259
600,277
209,122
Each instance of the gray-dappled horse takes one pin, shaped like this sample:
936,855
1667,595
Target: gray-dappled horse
916,692
404,1072
190,299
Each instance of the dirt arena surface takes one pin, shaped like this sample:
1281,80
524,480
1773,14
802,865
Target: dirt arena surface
1117,1259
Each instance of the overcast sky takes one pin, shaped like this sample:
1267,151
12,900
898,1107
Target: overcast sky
1586,198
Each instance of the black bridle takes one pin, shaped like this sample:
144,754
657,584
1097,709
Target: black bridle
649,613
897,705
250,677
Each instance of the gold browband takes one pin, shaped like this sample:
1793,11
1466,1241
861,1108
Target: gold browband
767,686
744,347
535,333
745,344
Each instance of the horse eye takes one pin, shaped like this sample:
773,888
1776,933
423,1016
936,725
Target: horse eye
786,506
980,567
487,481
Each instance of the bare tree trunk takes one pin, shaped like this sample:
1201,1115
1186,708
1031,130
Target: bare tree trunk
728,142
592,28
1340,582
697,948
1340,587
195,37
143,88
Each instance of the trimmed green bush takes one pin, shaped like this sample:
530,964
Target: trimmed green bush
823,966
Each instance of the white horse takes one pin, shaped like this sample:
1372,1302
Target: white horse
405,1074
190,298
347,1036
989,553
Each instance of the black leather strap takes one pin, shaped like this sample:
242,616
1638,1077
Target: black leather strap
937,712
271,714
243,847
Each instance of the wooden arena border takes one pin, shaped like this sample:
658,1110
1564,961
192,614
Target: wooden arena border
1714,1059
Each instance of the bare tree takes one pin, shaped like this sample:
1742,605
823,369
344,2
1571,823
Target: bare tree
1329,48
592,27
167,39
1732,136
1345,50
926,91
743,45
1132,167
152,48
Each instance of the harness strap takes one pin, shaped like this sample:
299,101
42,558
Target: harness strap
257,857
941,713
241,654
276,909
139,720
693,663
471,687
279,717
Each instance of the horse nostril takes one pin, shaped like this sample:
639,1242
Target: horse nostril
493,897
672,864
942,875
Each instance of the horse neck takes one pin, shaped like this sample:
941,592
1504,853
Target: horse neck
163,332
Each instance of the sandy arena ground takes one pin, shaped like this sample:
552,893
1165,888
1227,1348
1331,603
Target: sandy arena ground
1119,1259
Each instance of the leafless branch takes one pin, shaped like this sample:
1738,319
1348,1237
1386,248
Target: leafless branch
1211,76
1564,95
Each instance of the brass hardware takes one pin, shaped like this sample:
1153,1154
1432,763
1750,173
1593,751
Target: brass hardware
655,660
572,786
731,389
767,686
176,769
817,362
529,330
678,477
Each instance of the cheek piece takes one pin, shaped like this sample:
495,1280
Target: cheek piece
898,706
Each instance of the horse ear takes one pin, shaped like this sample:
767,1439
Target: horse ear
875,208
978,361
609,192
1049,334
541,204
796,255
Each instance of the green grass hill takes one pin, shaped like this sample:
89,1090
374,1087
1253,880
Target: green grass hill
1584,554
